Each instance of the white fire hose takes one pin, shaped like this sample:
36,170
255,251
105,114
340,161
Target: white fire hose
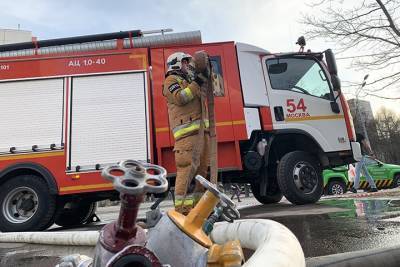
273,243
73,238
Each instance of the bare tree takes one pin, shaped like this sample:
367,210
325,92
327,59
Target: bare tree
370,29
384,135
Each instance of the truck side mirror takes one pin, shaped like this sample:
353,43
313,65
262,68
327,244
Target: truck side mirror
335,82
336,87
331,62
335,107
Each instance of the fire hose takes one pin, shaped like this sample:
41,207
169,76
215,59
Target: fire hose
271,241
203,65
73,238
188,242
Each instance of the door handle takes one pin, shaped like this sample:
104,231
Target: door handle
279,116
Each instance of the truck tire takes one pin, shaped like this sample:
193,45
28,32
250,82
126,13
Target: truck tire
336,187
75,213
26,204
273,195
396,181
300,177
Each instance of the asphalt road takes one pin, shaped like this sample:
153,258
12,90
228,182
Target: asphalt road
333,225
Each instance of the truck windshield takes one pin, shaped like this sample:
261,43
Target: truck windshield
302,75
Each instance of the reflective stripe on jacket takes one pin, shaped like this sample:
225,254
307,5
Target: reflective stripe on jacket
184,106
188,128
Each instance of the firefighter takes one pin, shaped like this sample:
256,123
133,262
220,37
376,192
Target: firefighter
187,111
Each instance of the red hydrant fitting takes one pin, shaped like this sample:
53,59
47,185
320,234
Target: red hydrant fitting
123,238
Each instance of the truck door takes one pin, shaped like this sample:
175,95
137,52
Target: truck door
300,97
255,98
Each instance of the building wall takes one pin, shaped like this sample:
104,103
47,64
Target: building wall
8,36
364,109
361,111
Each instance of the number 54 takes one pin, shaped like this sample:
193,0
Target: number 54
292,107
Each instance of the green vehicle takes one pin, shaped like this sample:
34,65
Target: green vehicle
336,180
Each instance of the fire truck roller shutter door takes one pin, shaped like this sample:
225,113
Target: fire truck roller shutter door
109,119
31,113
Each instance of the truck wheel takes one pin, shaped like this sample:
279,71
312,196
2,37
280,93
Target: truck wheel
26,204
336,188
75,213
300,177
396,181
273,194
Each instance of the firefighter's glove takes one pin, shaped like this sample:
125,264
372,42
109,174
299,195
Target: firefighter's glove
202,63
200,79
206,72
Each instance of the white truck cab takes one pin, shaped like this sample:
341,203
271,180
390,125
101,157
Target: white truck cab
293,103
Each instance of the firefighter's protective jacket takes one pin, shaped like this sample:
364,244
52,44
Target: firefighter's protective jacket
184,106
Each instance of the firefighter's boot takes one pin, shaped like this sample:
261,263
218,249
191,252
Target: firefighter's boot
184,205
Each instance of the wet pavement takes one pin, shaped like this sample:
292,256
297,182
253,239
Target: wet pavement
362,224
32,255
333,225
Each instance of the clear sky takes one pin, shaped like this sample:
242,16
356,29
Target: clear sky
271,24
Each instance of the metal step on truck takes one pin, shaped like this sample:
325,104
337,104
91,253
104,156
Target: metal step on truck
70,106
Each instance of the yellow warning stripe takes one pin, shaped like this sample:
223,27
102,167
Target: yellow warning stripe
31,155
86,187
222,123
379,183
383,183
163,129
237,122
314,118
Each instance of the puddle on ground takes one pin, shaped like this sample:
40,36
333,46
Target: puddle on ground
372,209
361,226
31,255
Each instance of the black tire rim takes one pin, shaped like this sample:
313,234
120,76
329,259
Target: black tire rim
337,189
20,205
305,177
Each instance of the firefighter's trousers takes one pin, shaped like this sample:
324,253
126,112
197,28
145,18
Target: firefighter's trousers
183,159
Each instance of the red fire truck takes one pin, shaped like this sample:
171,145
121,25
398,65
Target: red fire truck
70,106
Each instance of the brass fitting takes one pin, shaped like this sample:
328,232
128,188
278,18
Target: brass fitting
192,224
229,254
